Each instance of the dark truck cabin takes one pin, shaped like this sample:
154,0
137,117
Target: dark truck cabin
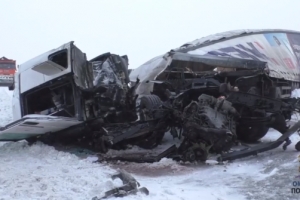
55,97
206,73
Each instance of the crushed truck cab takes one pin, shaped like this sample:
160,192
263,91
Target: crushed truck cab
61,88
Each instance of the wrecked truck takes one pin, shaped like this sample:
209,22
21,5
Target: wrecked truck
61,96
255,71
208,98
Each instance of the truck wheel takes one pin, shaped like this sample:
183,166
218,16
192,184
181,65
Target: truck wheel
251,133
144,104
147,103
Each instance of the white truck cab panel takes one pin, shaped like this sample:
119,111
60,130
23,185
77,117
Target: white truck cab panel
28,77
31,72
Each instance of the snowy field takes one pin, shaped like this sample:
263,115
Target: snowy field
41,172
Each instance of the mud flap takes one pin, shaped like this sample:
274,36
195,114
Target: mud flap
261,147
34,125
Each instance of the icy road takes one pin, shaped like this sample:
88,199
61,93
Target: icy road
41,172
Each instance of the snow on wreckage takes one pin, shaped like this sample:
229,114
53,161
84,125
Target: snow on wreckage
212,94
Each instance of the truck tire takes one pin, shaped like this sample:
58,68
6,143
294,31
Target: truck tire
251,133
149,102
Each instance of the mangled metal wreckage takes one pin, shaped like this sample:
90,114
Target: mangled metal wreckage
211,93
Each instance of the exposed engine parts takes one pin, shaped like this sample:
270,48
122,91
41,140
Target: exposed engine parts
208,126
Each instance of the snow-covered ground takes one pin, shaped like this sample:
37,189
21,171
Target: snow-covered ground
41,172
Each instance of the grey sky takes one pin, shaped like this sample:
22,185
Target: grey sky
142,29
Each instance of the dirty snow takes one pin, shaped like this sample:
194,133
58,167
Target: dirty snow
41,172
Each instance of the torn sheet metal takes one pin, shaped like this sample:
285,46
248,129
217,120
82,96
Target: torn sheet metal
83,73
35,125
104,74
279,48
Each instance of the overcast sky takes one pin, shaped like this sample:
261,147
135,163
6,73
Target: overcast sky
142,29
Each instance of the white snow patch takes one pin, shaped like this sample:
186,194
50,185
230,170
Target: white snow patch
41,172
296,93
5,106
266,175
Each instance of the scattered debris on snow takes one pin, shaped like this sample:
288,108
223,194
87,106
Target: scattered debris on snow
130,186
